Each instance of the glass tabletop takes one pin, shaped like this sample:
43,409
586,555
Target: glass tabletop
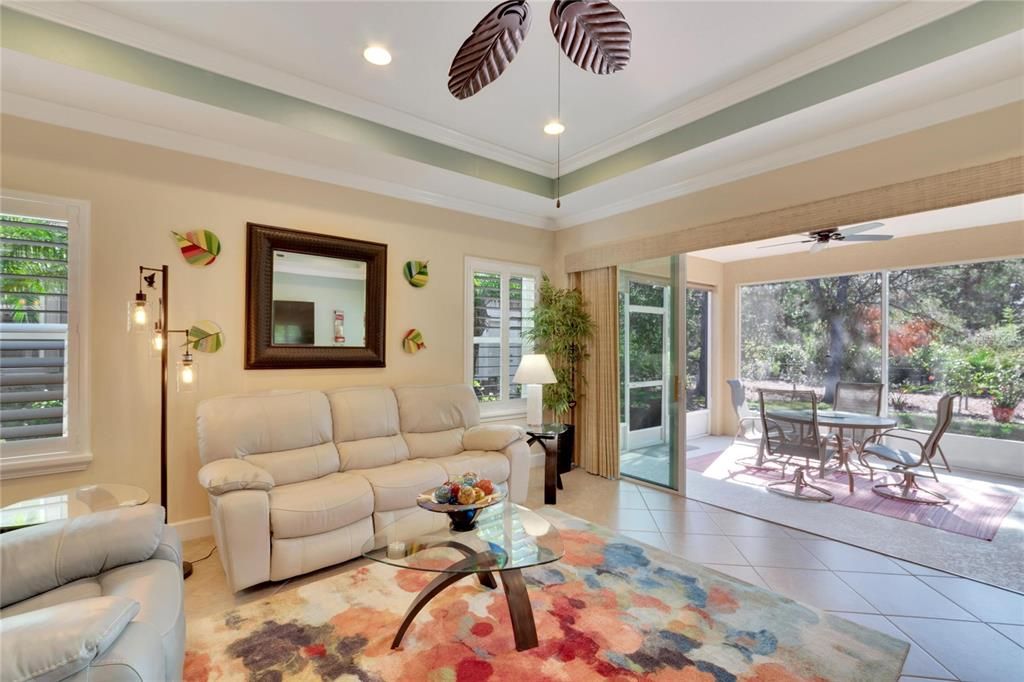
546,430
67,504
833,418
506,537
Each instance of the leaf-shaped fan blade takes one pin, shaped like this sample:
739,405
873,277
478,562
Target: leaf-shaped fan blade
415,272
199,247
489,49
772,246
818,246
592,33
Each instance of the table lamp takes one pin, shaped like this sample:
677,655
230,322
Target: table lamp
534,370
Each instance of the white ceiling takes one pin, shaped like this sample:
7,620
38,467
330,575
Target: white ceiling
993,212
681,51
723,53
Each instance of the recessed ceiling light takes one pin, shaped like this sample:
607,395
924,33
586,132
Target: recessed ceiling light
377,55
554,128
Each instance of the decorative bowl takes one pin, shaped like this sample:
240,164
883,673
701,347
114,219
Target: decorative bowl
462,517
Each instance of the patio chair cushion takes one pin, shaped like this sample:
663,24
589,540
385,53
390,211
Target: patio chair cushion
899,456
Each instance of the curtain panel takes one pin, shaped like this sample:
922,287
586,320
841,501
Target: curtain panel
597,381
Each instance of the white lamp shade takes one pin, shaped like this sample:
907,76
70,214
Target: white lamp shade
534,369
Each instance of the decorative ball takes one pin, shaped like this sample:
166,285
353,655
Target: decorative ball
443,494
486,485
466,495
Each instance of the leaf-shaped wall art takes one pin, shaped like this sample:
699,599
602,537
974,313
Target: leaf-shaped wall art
205,336
489,49
415,272
592,33
413,342
199,247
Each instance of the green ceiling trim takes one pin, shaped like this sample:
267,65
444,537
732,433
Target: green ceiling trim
82,50
970,27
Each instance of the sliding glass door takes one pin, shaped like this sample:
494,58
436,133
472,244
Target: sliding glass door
647,374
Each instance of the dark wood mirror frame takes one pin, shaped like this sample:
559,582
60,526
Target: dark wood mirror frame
260,352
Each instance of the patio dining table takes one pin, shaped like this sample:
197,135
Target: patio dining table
834,419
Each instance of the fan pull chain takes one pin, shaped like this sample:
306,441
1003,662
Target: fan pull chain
558,140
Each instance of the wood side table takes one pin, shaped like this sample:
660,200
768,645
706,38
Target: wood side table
545,434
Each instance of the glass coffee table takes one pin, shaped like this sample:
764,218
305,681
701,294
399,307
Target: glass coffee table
507,538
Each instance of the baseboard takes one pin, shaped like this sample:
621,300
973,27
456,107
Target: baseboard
190,529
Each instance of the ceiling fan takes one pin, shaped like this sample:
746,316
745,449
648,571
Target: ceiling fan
819,239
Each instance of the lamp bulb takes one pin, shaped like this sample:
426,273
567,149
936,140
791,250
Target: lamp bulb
158,341
139,316
187,375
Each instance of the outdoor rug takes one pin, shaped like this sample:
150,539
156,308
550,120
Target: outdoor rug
975,508
611,609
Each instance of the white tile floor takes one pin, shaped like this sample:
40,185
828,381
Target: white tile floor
958,628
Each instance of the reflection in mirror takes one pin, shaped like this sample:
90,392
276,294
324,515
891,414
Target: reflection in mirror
318,301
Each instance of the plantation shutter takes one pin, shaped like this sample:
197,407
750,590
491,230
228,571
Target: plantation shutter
33,327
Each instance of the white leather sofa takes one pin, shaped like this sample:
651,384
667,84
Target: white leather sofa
98,597
298,480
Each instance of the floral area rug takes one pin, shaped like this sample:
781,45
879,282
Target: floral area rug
611,609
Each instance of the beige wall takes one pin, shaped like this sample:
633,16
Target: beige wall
970,141
978,243
139,194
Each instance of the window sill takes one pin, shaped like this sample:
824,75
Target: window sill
23,466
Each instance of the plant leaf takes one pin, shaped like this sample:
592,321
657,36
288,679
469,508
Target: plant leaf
593,34
415,272
489,49
206,336
199,247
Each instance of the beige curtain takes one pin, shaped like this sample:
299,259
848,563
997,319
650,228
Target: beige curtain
597,409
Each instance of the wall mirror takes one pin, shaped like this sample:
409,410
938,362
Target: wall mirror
313,300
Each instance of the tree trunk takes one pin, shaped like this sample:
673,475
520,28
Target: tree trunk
836,338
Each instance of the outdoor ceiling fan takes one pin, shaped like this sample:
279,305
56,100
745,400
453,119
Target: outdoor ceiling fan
819,239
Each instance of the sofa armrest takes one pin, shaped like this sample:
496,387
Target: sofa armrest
492,437
518,454
227,475
169,548
58,641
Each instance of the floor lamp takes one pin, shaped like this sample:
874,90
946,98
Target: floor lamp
138,322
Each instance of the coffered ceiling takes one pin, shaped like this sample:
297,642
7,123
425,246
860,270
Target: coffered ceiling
714,91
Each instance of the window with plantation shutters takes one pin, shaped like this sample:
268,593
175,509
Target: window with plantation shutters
39,336
499,300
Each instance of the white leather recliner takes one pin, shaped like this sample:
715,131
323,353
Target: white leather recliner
98,597
298,480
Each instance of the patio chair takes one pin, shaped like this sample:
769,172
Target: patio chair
909,465
789,420
748,424
860,399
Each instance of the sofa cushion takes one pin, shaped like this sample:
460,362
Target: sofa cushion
396,486
363,412
492,465
311,507
37,559
303,464
372,452
240,425
425,409
436,444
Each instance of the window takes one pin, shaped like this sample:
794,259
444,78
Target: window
499,302
43,412
921,331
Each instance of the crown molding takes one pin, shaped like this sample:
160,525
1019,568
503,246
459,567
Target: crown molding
892,24
35,109
91,19
983,99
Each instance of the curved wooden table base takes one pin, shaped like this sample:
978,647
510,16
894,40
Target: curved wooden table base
519,608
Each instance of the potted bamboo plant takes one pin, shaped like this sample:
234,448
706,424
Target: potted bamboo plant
561,330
